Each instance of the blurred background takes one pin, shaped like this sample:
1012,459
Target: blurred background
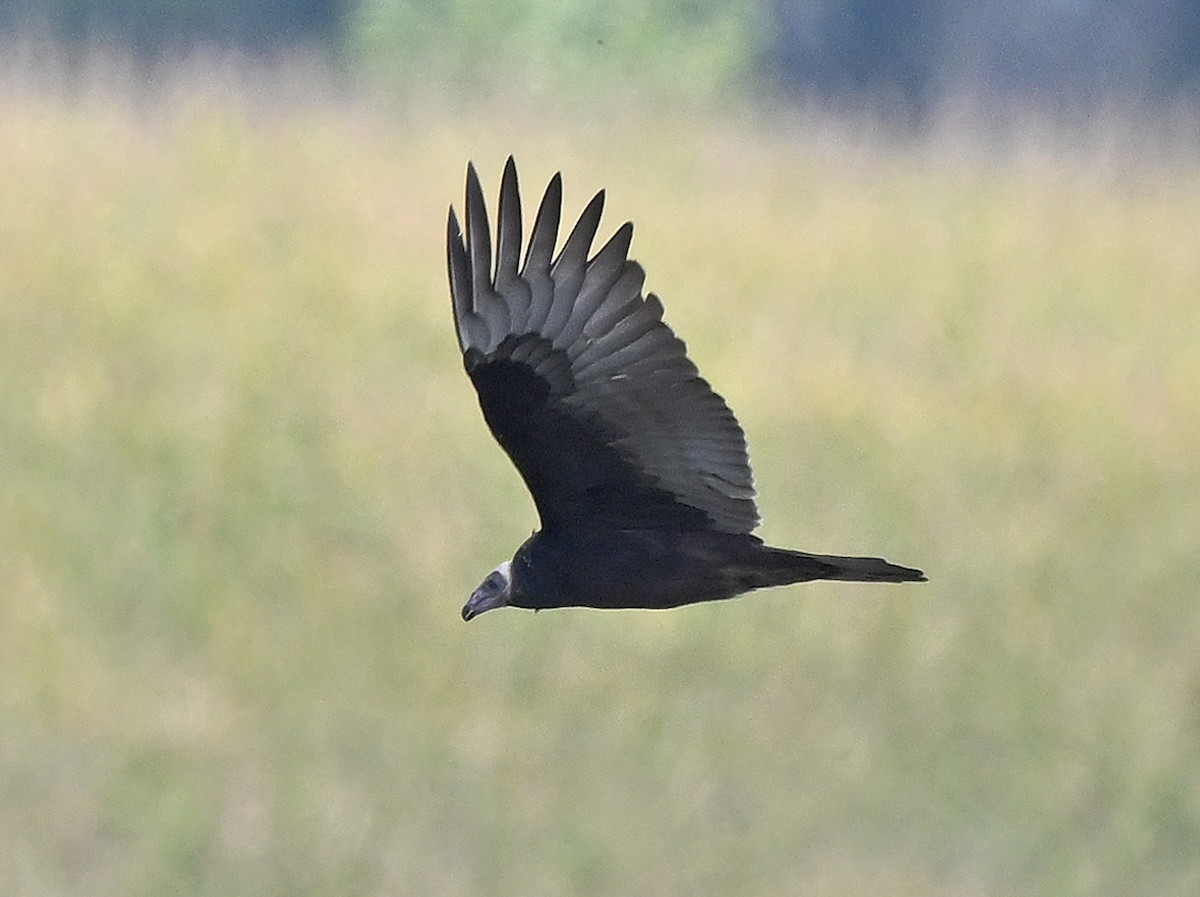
942,260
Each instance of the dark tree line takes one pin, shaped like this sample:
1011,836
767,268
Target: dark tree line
913,51
156,27
1048,50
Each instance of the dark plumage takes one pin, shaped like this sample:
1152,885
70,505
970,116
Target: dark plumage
638,469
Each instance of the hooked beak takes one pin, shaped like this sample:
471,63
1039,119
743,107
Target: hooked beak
495,591
483,599
480,601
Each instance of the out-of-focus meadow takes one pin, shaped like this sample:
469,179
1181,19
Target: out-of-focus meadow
245,488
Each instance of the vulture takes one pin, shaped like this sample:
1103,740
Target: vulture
638,469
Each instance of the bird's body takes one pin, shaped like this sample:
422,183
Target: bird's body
644,568
638,469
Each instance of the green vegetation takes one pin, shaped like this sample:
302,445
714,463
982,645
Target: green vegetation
245,488
697,49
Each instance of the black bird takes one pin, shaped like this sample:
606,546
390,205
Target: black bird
638,469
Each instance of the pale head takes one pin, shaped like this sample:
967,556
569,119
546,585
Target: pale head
494,591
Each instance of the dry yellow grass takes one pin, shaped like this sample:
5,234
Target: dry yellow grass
244,488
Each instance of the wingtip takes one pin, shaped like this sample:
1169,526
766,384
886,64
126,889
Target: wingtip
510,173
459,267
594,210
478,236
474,186
544,234
624,237
475,202
508,230
554,191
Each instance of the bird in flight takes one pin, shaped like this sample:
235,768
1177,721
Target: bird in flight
638,469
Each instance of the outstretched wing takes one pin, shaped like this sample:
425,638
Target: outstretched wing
583,385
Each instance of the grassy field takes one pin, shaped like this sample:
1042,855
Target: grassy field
245,488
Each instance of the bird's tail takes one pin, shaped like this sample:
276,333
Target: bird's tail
782,565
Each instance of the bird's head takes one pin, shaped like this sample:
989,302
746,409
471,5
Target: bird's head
495,591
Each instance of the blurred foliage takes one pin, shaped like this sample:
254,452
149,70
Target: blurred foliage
698,48
153,28
245,488
908,56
